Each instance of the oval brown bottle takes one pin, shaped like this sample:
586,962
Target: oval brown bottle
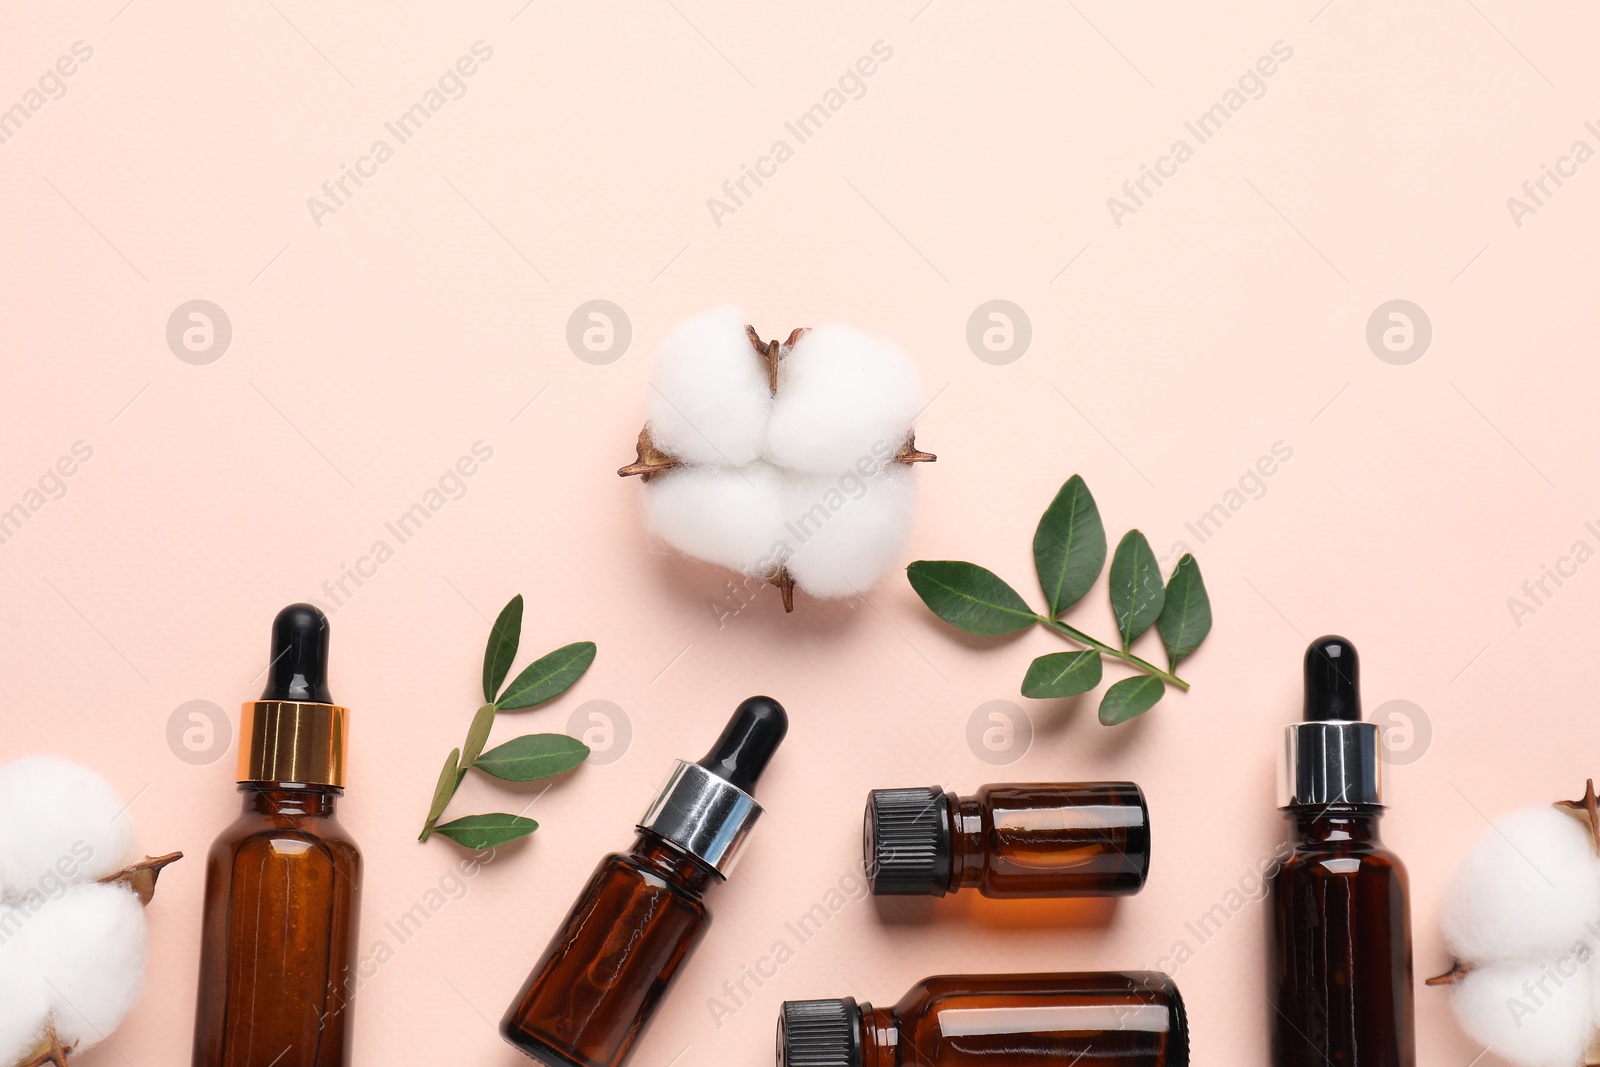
283,883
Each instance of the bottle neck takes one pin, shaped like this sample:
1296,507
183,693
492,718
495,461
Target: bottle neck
672,863
965,815
289,798
1337,825
880,1037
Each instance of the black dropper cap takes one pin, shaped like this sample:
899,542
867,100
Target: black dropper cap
747,742
1333,681
1332,756
299,667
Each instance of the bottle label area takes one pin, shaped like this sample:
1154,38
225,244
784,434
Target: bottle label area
1053,1019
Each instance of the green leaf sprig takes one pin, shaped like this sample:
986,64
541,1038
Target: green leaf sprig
528,758
1069,552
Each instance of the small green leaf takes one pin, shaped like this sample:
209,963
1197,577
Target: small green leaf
1136,590
533,756
548,676
1069,547
1130,698
487,831
448,780
504,637
1062,674
1186,617
477,736
969,597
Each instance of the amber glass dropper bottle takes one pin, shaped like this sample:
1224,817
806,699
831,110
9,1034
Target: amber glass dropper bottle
1341,941
619,948
283,883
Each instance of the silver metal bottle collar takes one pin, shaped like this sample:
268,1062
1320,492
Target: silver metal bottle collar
706,816
1331,763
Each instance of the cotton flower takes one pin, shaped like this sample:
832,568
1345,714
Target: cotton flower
1501,1005
1522,916
785,462
1529,889
724,515
840,393
73,937
57,817
23,1004
91,947
709,401
861,538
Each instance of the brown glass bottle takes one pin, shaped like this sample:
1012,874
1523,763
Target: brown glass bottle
616,953
595,986
1342,935
283,882
1039,840
1340,960
1110,1019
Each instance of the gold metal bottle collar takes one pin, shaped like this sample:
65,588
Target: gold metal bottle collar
293,741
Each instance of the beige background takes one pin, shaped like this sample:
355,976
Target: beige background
1169,354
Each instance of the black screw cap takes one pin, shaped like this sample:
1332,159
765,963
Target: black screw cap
819,1033
906,842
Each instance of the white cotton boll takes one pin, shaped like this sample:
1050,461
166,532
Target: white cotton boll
91,947
842,396
1594,987
1504,1006
1530,887
709,399
728,516
844,532
59,822
24,1009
